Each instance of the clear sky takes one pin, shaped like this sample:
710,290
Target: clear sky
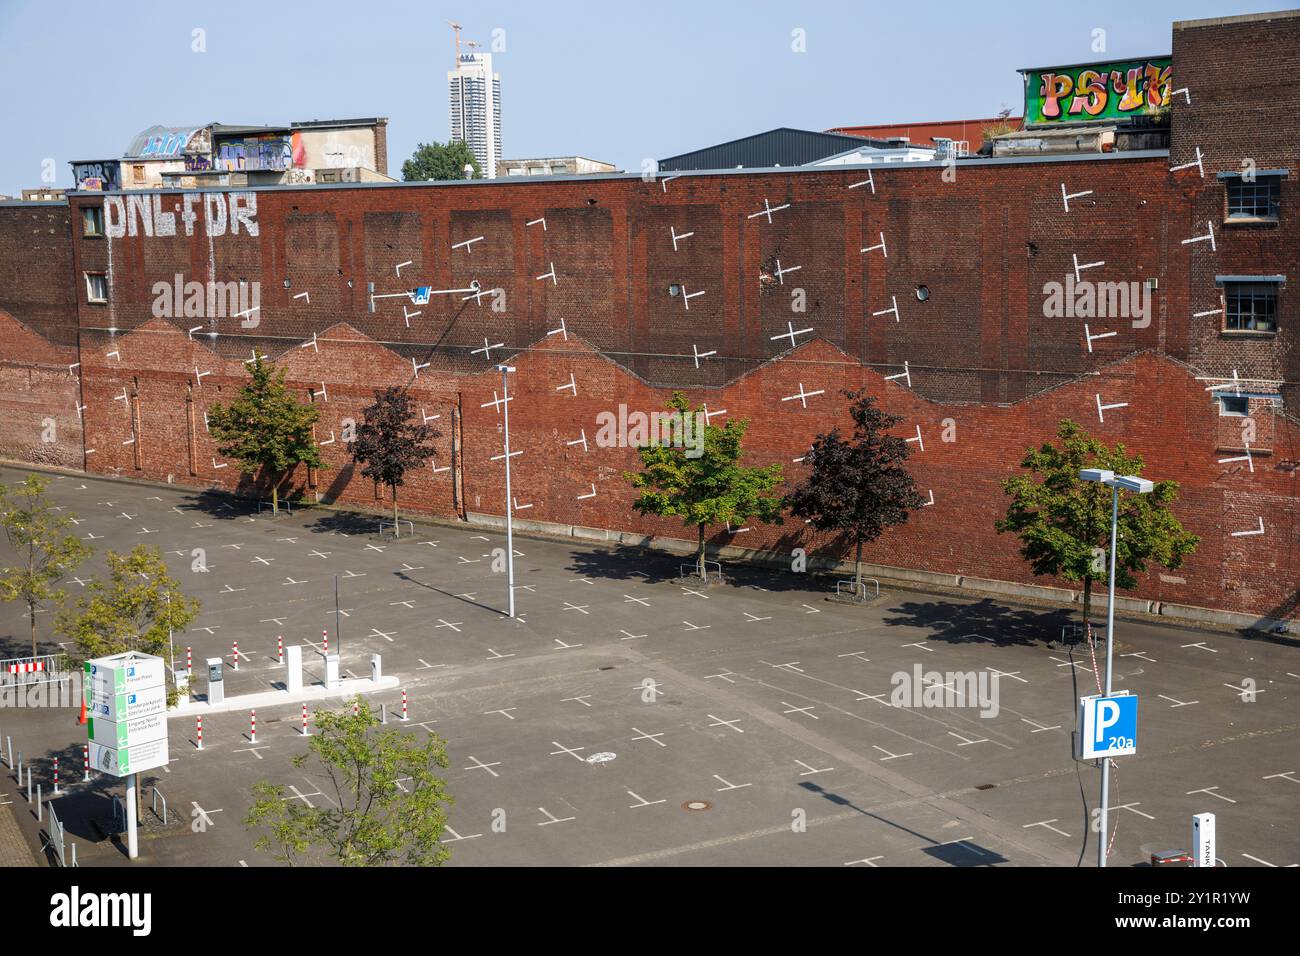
614,81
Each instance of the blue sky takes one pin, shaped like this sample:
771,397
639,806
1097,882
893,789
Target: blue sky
614,81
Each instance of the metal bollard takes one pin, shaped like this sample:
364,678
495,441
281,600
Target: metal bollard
40,806
29,784
383,713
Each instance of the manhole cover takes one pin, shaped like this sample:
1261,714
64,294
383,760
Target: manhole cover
697,805
603,757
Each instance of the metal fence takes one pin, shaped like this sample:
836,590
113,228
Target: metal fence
30,671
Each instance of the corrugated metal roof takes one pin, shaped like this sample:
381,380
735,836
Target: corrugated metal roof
777,147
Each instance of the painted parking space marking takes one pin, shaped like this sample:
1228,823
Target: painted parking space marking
805,711
809,769
643,801
480,765
889,756
1210,791
1047,825
571,751
552,818
642,735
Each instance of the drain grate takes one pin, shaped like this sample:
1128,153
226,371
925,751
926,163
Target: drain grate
986,786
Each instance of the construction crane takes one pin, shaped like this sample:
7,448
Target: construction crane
456,28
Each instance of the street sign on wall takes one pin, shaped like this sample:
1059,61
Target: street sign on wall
1096,92
1107,726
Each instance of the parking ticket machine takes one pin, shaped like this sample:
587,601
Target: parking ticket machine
216,681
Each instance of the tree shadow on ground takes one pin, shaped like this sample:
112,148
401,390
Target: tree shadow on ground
345,523
633,563
960,622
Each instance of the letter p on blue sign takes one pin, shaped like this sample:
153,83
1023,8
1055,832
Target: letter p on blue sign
1108,726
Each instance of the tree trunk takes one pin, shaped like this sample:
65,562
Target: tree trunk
31,613
397,531
857,570
275,495
700,556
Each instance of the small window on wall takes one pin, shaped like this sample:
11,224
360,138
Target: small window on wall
92,221
96,287
1250,307
137,173
1237,406
1258,199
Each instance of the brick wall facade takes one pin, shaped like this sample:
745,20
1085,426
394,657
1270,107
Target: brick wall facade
747,291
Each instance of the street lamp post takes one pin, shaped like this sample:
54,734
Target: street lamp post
510,502
1141,486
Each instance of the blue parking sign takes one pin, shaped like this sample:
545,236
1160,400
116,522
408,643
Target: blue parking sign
1108,726
420,295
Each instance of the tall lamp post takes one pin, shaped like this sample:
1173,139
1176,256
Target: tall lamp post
1141,486
510,502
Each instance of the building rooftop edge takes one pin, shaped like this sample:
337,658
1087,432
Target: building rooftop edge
588,178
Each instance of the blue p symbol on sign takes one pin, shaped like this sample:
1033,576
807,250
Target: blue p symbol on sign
1108,726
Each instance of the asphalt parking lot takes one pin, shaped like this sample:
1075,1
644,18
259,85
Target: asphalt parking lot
750,723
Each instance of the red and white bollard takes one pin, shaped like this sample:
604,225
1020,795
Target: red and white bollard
404,715
252,726
189,662
234,652
356,708
325,641
200,731
279,647
56,774
85,760
304,721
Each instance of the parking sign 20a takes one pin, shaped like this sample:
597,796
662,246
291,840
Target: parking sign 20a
1107,726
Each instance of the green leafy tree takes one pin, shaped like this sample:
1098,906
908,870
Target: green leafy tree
390,442
440,161
387,803
45,549
708,488
1063,522
266,429
140,608
857,486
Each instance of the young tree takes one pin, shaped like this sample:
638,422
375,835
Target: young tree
709,488
857,486
44,547
440,161
140,608
388,805
391,442
1063,522
266,429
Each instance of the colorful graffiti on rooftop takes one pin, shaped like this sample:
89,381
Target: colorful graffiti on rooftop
1097,92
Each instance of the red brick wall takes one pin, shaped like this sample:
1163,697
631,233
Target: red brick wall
981,352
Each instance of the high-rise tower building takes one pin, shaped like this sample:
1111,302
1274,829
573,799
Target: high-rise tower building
476,109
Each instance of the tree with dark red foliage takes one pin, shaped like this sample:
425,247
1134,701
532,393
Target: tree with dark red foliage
857,486
391,442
